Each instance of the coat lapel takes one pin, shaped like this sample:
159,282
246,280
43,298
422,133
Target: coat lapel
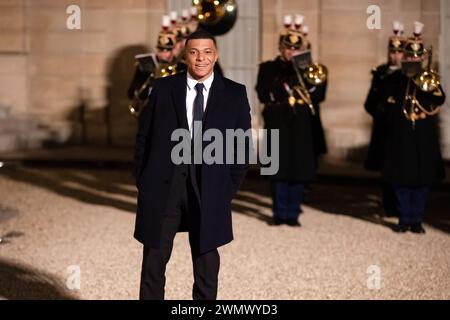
179,99
215,98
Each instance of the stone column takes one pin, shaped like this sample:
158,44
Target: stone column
445,78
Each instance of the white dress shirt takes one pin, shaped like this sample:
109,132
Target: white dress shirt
191,93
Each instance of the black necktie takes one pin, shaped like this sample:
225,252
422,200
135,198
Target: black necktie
198,106
195,169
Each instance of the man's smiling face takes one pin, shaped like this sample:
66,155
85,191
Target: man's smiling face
201,55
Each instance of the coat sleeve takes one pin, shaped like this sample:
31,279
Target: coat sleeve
263,83
318,93
436,98
143,134
136,82
238,170
374,100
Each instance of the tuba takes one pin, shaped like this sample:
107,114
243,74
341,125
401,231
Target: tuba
216,16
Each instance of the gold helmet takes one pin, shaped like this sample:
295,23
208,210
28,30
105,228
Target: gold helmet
166,37
291,37
414,46
397,41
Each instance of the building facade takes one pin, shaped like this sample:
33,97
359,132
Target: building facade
69,86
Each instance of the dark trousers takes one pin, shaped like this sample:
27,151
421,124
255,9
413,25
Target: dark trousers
389,201
411,204
184,209
287,198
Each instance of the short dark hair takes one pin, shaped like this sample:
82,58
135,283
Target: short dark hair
201,34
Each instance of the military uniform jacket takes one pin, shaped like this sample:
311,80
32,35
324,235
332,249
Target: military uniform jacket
297,151
411,154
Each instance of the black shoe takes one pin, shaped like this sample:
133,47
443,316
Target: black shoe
417,228
390,214
293,223
401,228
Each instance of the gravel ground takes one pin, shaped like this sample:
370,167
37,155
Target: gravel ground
53,221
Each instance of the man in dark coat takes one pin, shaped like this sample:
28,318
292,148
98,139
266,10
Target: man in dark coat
187,197
412,160
289,113
375,153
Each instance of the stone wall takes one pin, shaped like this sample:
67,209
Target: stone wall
46,70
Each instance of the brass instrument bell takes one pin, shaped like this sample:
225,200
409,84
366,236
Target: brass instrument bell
216,16
428,80
316,73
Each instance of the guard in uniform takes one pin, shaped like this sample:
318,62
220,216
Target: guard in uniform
374,158
182,31
165,57
412,160
289,107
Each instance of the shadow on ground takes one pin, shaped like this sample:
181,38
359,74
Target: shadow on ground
98,187
353,197
359,199
24,283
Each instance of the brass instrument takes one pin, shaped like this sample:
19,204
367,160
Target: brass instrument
302,91
216,16
166,70
315,74
138,103
427,81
